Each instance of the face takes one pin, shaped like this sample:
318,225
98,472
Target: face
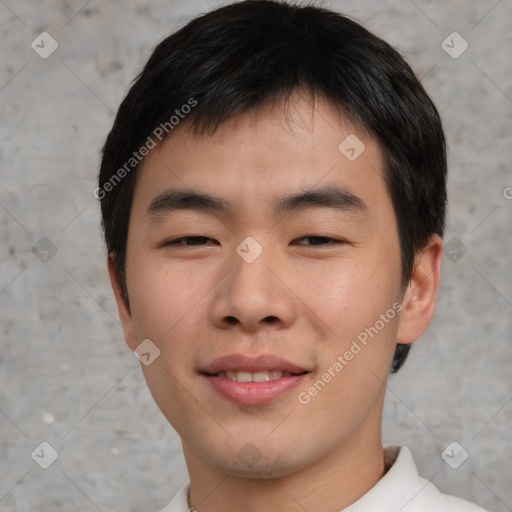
301,296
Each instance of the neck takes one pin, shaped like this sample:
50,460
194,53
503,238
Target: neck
331,483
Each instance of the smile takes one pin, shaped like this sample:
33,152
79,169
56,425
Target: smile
259,376
252,381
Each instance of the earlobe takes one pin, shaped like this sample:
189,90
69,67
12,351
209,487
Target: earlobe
122,308
419,303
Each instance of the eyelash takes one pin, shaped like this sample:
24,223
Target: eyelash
333,240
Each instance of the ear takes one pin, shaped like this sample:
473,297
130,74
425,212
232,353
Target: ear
419,303
124,311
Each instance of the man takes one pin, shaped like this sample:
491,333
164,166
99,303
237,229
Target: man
273,195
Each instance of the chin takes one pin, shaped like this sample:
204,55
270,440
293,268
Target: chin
251,463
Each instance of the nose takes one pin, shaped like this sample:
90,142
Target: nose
254,294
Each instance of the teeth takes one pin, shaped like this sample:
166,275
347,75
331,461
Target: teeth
261,376
243,376
252,376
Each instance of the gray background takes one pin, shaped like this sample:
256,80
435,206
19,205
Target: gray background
66,375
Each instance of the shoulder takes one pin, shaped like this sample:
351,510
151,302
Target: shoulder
418,493
179,503
433,499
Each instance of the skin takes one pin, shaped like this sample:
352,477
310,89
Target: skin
300,301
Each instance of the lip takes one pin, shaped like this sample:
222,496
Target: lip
253,393
266,362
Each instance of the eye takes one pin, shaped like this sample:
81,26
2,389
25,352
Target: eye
200,240
193,239
321,239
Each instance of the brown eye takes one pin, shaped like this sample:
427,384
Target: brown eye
196,240
318,240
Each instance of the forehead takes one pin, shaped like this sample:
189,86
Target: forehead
256,158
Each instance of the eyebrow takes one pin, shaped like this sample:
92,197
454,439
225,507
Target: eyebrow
330,196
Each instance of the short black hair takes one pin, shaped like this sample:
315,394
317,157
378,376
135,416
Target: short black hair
246,55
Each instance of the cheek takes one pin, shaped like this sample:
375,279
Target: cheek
160,298
342,294
356,304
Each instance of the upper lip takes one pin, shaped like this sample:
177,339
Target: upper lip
239,362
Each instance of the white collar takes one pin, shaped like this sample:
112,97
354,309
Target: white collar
400,489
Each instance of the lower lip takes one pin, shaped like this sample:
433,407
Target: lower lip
254,393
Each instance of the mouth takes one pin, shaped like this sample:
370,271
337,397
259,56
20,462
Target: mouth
253,381
258,376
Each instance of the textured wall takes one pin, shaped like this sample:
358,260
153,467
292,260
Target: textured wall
68,379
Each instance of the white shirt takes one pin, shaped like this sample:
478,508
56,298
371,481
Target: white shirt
400,489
